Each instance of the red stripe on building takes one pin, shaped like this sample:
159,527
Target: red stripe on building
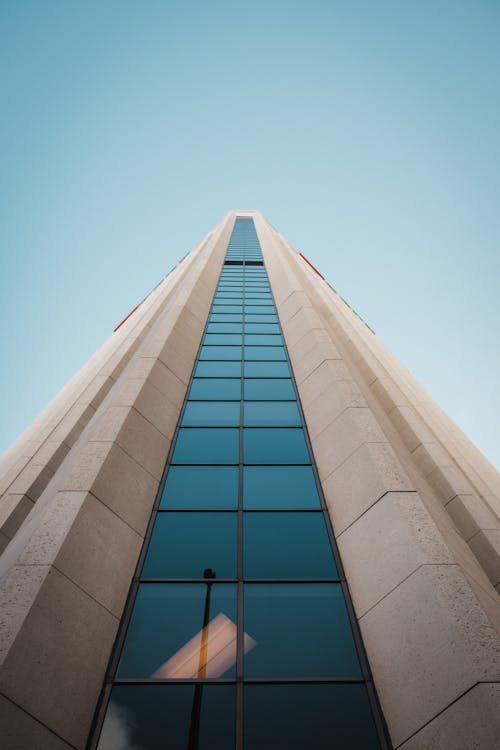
313,268
126,317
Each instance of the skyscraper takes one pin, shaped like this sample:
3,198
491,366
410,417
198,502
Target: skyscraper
244,524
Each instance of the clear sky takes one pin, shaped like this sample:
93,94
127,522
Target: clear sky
367,132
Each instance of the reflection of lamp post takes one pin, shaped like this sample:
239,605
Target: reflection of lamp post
209,575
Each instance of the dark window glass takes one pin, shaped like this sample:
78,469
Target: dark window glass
201,487
301,630
303,551
206,446
227,309
295,717
183,545
279,487
273,445
267,370
156,717
218,318
271,414
214,328
262,328
263,352
211,414
260,309
220,352
257,389
212,389
261,319
255,339
223,339
164,637
218,369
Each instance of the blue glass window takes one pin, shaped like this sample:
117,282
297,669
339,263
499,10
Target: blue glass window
279,487
255,339
206,446
269,389
196,487
265,352
266,370
271,414
220,352
224,328
262,328
215,389
274,445
208,414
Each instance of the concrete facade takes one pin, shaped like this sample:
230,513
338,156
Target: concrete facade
414,506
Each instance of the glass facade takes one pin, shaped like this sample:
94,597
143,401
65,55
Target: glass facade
239,634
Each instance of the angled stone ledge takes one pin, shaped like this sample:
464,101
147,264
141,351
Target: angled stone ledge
21,731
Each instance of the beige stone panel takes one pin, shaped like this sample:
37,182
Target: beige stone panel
89,544
18,589
428,641
10,470
410,427
150,402
51,454
291,305
486,547
109,473
63,645
321,379
13,511
470,514
301,324
367,365
338,396
158,375
354,427
96,391
4,541
72,425
429,455
31,481
470,723
388,394
448,482
361,480
20,731
386,544
310,352
138,437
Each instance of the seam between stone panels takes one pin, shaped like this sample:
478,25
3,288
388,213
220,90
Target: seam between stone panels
157,359
117,445
64,575
387,492
38,721
368,442
89,492
422,565
443,710
349,406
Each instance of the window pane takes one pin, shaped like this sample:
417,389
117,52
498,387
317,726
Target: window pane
183,545
224,328
211,389
218,370
274,446
201,487
220,352
270,389
303,549
262,352
262,328
260,309
168,617
211,414
227,309
222,339
301,630
218,318
254,339
294,717
267,370
156,717
271,413
279,487
261,319
206,446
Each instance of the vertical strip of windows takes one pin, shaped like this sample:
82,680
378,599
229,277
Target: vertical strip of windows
240,632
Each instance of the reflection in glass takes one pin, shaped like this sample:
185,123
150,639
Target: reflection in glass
182,543
212,389
218,370
271,413
279,487
264,352
208,413
204,445
298,717
196,487
302,630
274,445
156,717
267,370
220,352
166,617
303,551
269,389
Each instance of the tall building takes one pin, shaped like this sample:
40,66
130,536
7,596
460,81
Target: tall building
243,524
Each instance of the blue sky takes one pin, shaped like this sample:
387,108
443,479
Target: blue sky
367,132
